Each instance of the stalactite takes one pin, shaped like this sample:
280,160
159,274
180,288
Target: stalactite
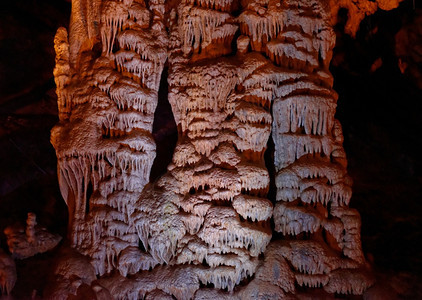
312,184
105,137
237,71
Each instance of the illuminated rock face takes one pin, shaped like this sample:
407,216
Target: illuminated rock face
233,78
107,99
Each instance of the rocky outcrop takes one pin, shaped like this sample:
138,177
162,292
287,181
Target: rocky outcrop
358,10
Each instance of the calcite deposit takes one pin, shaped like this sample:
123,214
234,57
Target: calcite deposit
239,73
29,240
358,10
107,99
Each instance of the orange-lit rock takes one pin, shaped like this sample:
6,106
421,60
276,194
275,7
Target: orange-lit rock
233,79
7,273
358,10
29,240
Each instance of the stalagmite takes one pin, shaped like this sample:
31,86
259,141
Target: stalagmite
27,241
237,71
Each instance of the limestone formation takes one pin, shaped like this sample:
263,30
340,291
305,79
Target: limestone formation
237,71
7,273
107,99
74,276
358,10
313,189
28,241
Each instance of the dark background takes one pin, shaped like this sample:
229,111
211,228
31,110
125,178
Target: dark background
379,108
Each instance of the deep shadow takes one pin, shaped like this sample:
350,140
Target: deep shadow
379,111
164,130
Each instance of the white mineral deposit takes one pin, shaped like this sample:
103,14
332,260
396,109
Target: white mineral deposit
239,73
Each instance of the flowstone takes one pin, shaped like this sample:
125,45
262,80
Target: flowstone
238,72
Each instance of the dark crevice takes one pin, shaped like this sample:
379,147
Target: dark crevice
89,191
164,130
